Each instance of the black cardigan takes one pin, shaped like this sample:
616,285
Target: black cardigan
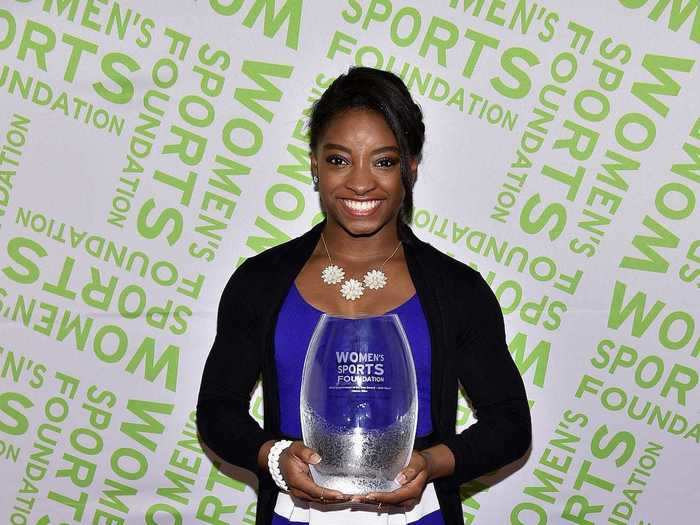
467,345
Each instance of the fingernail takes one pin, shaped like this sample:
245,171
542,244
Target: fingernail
315,458
340,496
371,497
400,479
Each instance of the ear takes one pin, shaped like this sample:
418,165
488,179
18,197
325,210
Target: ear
414,167
313,162
313,165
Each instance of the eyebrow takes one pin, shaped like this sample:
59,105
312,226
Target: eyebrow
331,145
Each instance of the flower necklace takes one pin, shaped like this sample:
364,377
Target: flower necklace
352,288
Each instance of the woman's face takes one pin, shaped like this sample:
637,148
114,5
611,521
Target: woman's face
358,165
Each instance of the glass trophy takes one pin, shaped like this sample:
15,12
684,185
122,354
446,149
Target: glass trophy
359,403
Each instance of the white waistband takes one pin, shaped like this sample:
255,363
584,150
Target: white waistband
347,514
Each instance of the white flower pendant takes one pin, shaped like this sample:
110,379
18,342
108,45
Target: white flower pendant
375,279
332,274
351,289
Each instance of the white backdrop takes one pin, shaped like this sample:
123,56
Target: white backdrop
146,148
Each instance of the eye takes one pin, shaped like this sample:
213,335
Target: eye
387,162
336,160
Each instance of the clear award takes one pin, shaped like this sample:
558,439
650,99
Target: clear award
359,405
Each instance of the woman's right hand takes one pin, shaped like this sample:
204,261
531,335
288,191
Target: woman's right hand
294,464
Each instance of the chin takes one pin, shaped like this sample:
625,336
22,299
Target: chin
359,227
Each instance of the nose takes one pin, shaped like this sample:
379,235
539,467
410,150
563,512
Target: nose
361,179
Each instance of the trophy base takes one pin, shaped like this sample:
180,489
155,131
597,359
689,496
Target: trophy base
352,485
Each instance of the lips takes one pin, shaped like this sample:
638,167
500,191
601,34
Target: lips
360,207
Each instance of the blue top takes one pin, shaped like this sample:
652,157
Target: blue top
295,325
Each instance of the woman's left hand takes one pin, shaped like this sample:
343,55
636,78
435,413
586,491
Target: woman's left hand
412,480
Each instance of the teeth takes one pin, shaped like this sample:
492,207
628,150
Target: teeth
361,206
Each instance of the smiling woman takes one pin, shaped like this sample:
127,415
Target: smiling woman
371,120
356,178
366,140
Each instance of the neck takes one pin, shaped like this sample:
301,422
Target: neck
343,245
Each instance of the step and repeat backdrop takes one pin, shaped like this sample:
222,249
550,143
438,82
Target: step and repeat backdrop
147,148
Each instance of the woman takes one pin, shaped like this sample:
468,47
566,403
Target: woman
366,139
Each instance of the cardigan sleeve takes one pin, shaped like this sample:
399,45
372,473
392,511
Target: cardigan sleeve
495,388
230,374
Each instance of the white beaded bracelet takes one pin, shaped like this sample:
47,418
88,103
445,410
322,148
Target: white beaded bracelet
273,464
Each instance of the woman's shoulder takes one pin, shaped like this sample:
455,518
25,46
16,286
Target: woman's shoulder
250,283
277,253
273,258
447,265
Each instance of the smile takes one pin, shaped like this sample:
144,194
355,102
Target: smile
360,207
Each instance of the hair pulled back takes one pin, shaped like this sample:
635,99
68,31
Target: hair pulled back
385,93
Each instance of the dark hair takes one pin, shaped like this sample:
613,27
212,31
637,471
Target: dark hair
385,93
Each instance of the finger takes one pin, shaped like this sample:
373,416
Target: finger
303,487
411,490
293,468
307,485
308,497
328,496
297,475
406,475
295,464
306,454
417,464
391,498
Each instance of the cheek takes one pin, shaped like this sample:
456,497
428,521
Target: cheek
400,190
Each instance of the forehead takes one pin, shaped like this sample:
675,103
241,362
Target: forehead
359,124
